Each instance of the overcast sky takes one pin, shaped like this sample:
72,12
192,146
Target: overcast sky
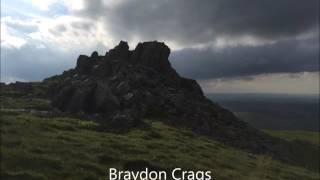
227,45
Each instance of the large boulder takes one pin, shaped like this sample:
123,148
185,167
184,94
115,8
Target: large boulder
152,54
103,100
84,64
94,54
121,51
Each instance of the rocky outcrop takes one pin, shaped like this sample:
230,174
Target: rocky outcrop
22,86
126,86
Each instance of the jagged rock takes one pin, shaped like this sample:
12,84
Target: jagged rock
125,86
121,51
103,100
123,121
142,78
123,79
153,54
103,69
83,64
94,54
191,85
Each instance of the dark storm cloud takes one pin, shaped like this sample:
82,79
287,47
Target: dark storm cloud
191,21
188,23
291,56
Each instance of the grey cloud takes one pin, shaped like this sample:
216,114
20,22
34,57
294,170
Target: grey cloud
82,25
290,56
61,28
57,30
24,28
190,21
77,25
32,63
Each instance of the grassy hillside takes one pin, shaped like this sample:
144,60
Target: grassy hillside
306,136
38,147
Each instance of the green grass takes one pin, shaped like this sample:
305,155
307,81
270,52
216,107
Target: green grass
12,98
35,147
38,147
307,136
25,103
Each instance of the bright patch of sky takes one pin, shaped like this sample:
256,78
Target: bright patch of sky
23,9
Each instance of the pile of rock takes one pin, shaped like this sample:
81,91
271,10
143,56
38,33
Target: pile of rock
125,86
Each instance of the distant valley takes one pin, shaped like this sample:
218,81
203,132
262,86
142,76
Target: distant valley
273,111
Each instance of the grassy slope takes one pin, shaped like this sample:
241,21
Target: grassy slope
38,147
64,148
295,135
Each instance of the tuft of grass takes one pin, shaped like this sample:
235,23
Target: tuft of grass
25,103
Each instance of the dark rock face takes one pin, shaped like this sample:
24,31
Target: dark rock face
153,55
121,51
125,86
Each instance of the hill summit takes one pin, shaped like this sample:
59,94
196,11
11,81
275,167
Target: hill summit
122,87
